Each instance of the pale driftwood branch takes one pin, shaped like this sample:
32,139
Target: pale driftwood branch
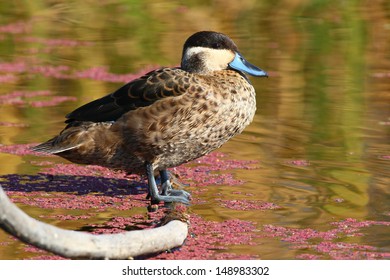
73,244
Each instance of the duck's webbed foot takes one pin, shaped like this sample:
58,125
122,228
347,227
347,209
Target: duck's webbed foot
168,194
166,186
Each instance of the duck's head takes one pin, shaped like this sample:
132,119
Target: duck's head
208,51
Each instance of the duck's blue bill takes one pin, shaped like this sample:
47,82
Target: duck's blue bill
239,63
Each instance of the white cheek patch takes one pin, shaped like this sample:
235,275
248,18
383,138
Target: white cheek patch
212,59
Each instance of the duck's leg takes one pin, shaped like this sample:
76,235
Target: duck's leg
166,186
153,190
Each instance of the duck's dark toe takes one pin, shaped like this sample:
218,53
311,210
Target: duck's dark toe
182,198
182,193
168,194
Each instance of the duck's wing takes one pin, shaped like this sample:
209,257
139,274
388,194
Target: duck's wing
140,92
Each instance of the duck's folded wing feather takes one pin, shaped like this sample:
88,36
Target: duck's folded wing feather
141,92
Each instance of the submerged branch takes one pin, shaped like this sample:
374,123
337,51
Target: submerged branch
74,244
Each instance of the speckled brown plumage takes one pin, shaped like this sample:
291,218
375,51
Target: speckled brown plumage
168,116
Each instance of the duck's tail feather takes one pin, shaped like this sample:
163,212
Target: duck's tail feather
51,147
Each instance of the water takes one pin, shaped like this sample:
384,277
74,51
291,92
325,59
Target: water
321,132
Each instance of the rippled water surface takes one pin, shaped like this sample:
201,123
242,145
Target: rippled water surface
316,155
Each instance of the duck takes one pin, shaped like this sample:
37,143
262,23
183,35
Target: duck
165,118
